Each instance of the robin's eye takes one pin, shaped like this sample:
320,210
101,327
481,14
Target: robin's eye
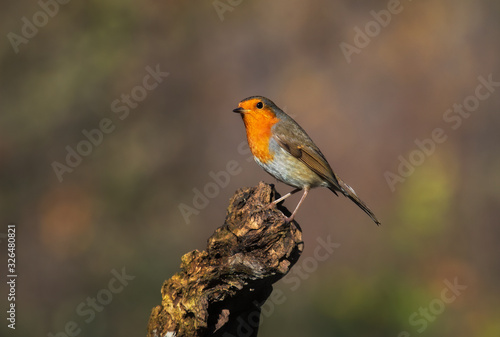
260,105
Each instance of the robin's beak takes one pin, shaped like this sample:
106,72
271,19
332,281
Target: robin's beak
239,110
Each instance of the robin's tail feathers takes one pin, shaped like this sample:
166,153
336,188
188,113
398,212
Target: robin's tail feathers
348,191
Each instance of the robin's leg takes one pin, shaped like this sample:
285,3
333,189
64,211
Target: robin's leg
306,190
277,201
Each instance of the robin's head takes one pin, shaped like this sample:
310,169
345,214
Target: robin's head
257,107
259,115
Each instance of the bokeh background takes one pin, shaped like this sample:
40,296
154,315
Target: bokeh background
120,207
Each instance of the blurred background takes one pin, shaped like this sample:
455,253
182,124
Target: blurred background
104,157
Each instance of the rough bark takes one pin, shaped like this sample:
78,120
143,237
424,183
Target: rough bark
219,289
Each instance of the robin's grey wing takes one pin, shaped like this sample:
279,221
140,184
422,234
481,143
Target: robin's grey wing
310,156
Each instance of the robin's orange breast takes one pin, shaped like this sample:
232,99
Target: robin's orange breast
258,127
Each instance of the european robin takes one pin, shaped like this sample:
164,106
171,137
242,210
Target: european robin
284,150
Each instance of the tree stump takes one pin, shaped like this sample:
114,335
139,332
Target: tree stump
219,289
